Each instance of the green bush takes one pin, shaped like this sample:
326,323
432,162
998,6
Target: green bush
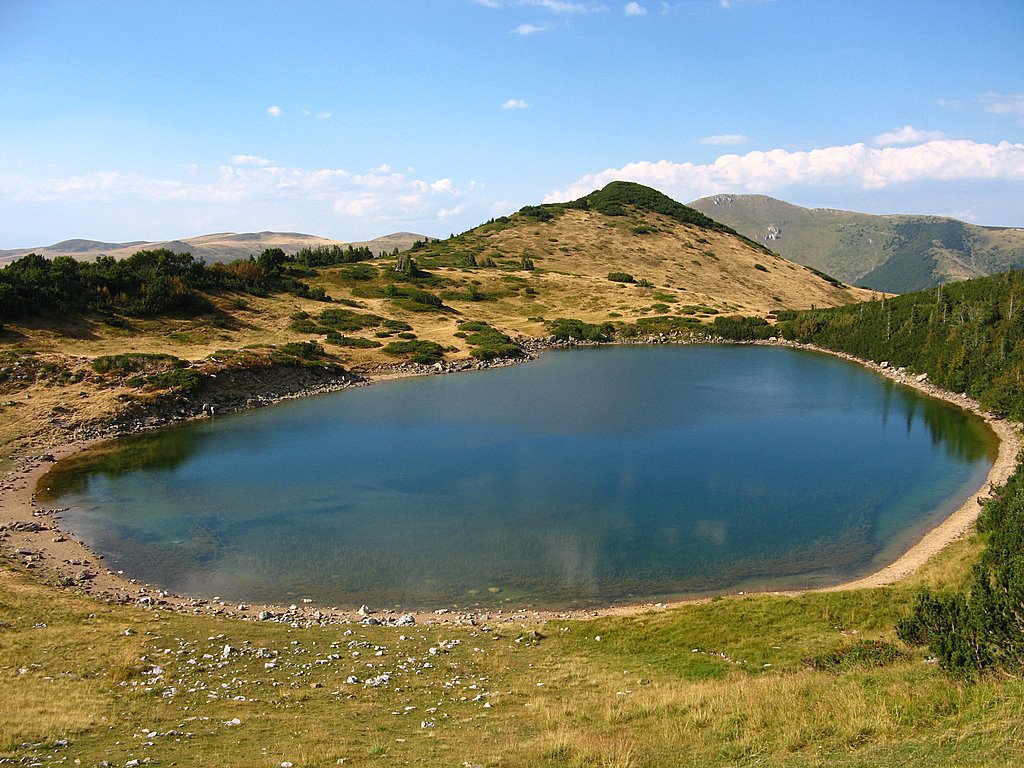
564,329
621,277
487,342
352,342
180,379
737,328
134,361
418,351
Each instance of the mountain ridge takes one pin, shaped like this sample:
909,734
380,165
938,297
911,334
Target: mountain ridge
214,247
896,253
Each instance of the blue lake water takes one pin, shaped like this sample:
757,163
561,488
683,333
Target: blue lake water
587,477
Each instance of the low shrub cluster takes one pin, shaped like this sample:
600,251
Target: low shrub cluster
487,342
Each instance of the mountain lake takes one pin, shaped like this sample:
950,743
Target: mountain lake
586,478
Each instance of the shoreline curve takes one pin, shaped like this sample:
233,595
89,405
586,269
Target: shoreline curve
32,534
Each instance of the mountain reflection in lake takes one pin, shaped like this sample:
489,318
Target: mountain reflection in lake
588,477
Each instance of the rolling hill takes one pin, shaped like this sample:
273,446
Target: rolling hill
214,248
896,253
626,251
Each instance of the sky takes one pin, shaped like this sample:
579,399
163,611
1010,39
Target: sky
351,119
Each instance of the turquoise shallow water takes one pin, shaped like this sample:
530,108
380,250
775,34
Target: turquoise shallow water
588,477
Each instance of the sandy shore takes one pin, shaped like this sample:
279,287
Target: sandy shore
30,534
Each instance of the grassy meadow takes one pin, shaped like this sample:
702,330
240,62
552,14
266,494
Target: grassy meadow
818,679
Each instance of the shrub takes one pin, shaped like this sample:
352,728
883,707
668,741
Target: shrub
181,379
418,351
565,329
621,277
135,361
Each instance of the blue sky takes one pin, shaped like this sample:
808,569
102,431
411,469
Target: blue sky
147,120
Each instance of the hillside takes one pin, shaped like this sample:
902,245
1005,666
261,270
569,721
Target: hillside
895,253
681,262
214,248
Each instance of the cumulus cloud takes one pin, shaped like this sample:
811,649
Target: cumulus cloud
724,138
906,135
854,166
634,9
515,104
274,111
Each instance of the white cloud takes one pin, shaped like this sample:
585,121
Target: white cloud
906,135
853,166
515,104
634,9
382,194
530,29
724,138
248,160
274,111
1003,104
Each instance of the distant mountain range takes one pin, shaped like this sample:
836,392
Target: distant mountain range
896,253
220,247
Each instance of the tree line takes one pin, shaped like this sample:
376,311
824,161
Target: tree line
151,283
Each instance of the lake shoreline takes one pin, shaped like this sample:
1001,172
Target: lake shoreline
32,534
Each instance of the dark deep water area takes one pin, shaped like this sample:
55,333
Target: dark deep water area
588,477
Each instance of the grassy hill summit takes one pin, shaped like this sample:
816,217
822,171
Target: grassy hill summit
628,251
896,254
